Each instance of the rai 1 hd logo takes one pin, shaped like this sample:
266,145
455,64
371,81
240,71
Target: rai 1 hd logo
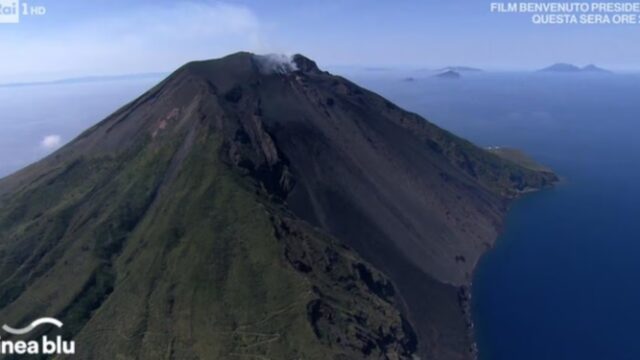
12,10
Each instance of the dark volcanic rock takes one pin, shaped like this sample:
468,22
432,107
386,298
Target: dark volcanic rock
256,205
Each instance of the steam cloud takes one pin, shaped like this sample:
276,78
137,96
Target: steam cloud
51,142
276,63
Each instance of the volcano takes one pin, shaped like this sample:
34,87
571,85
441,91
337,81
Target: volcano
255,207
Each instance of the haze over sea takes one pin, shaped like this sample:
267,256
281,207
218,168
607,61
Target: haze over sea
562,281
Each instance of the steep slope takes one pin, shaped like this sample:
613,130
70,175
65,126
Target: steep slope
251,206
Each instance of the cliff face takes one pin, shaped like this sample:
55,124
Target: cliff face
253,206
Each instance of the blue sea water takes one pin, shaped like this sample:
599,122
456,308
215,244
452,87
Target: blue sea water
563,279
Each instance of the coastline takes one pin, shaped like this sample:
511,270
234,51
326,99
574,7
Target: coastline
466,291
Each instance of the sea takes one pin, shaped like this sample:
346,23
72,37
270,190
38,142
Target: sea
563,280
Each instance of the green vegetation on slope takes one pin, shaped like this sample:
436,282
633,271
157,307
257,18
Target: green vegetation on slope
520,158
162,256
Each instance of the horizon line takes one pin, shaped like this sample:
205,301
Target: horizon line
85,79
365,68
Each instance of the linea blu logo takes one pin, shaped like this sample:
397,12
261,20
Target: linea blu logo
43,346
10,11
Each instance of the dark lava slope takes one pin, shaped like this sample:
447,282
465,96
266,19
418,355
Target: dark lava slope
252,207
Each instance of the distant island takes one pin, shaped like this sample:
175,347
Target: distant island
570,68
460,69
449,74
87,79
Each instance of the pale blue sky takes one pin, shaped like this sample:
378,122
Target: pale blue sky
77,38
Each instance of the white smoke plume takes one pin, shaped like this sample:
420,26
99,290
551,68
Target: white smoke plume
276,63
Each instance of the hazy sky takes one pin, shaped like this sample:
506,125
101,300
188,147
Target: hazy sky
81,37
